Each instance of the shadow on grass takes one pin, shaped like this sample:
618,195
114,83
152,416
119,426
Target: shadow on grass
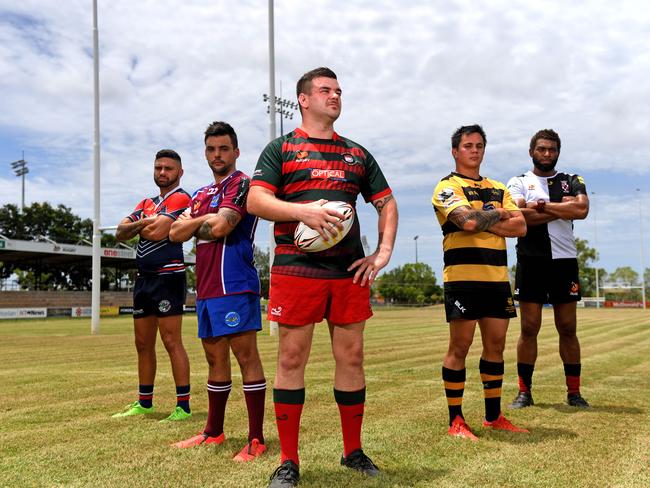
618,409
536,435
341,477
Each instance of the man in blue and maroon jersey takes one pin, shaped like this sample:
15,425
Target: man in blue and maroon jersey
159,292
228,289
295,175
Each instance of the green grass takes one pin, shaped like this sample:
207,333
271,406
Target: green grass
60,385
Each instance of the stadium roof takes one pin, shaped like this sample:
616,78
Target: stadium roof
49,252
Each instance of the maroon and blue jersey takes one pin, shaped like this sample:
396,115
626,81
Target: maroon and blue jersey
164,256
225,266
302,169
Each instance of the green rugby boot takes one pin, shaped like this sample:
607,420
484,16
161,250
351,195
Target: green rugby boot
134,409
176,415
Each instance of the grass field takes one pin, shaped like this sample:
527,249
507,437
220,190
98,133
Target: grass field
60,385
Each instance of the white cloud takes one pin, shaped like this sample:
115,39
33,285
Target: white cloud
411,73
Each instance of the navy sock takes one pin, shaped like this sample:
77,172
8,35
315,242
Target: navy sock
145,395
183,397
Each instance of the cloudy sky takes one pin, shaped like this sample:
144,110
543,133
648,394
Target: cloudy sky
410,75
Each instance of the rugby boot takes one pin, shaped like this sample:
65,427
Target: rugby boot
459,428
250,451
134,409
199,439
286,475
522,400
503,423
576,400
358,461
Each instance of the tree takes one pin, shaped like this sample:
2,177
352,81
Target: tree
586,255
262,264
411,283
42,220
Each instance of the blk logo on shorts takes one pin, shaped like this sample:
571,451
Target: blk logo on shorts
460,307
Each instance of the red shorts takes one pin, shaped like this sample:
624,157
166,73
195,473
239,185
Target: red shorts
294,300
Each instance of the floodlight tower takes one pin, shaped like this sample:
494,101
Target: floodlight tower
282,106
20,169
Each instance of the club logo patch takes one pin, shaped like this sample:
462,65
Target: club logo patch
488,206
302,157
348,158
215,200
164,306
232,319
447,197
565,186
575,289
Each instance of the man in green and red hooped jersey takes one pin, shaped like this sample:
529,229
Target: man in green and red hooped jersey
294,176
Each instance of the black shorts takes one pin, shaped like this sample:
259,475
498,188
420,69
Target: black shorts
463,302
545,280
159,295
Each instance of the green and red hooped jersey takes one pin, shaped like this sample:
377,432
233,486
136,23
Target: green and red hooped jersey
302,169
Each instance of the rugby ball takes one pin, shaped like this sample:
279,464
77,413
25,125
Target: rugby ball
309,240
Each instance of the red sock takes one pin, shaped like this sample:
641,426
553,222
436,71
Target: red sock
288,408
218,392
255,392
572,374
351,405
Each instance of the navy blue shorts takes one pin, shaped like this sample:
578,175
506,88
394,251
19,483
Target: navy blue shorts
228,315
159,295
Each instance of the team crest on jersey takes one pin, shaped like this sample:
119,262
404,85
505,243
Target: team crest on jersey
488,206
565,185
348,159
215,200
302,157
232,319
164,306
575,289
447,197
531,187
196,206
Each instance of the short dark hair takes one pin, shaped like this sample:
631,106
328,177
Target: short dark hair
466,130
549,134
217,128
169,153
304,83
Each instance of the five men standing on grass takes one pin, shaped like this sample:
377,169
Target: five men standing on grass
294,176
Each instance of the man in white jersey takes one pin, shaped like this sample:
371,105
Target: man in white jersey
547,265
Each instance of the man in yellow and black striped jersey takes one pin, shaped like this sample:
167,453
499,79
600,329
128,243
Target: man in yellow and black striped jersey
476,215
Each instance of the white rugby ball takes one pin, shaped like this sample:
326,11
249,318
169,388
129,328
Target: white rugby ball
309,240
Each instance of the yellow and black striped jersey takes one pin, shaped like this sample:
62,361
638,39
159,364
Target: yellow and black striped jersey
471,257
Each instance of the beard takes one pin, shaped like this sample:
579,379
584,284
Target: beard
164,183
544,167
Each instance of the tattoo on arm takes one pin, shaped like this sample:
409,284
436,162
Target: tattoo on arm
205,232
231,216
484,218
381,203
